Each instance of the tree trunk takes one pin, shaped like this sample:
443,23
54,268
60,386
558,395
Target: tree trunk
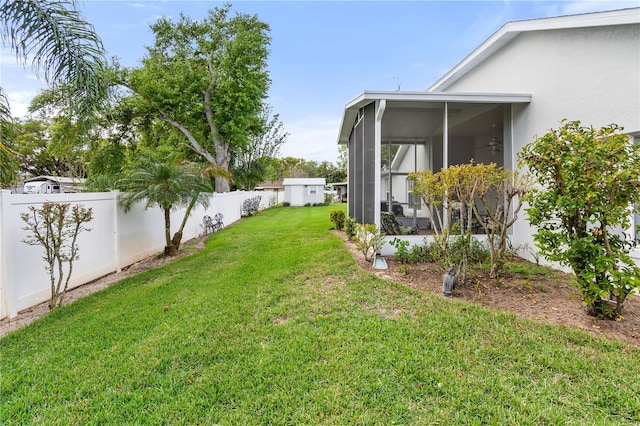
605,309
177,237
221,147
222,161
169,248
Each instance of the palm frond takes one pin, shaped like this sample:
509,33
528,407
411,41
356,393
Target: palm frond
61,43
8,158
6,122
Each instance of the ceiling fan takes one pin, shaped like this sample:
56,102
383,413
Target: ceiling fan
494,144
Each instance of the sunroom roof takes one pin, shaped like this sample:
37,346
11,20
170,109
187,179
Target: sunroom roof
419,100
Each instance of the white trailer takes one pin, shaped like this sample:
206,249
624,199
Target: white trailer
41,187
52,185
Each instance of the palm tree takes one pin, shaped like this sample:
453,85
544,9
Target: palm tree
166,182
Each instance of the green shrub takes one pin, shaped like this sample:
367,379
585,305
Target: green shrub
55,227
368,240
402,254
337,217
250,206
587,179
328,198
477,252
417,253
350,227
286,204
425,252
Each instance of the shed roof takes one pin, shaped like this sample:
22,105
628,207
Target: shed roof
304,181
270,184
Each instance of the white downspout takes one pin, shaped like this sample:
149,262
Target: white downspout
381,105
445,136
445,153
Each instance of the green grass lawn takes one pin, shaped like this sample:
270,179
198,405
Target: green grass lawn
274,323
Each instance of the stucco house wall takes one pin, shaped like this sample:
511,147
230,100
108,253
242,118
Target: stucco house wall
587,74
519,83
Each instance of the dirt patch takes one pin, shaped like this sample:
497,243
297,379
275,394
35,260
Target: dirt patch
29,315
550,297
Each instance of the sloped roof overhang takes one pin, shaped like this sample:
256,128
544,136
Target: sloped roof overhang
513,29
419,99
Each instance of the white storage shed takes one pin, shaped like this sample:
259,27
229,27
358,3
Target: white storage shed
301,191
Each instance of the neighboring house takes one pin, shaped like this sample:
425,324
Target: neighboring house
301,191
275,187
270,186
52,185
519,83
339,189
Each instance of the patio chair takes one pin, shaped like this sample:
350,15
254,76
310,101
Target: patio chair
217,222
391,226
207,224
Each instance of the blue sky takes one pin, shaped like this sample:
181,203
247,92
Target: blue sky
323,53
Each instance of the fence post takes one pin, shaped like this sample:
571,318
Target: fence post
116,230
7,295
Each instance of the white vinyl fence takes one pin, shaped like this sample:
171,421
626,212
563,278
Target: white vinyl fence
116,240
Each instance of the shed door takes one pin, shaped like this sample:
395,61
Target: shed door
297,196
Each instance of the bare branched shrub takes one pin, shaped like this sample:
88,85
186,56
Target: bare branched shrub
55,227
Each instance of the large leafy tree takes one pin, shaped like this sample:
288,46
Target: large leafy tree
330,172
57,148
588,179
207,79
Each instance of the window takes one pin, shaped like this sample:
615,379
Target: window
412,200
313,190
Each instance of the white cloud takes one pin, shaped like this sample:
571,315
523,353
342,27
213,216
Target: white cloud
9,60
585,6
312,138
487,21
19,102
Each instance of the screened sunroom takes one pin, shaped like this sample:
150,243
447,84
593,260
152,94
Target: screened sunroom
391,134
